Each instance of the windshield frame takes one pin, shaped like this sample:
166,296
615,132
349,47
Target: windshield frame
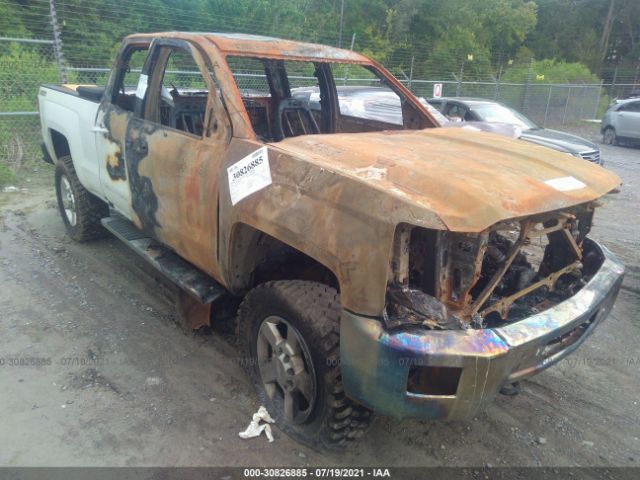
387,79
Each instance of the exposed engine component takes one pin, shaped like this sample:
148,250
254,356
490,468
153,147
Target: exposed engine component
447,280
409,306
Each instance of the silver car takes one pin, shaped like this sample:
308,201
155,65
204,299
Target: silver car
622,122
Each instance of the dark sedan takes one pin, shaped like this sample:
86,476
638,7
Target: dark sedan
479,110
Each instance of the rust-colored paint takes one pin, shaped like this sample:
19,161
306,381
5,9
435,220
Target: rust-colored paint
337,197
192,315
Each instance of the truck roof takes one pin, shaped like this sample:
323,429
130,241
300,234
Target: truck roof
241,44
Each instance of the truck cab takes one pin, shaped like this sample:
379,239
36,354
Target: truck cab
379,266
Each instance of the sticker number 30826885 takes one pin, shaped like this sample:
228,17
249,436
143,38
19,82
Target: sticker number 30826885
249,175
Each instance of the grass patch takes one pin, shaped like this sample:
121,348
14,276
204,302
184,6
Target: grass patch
6,175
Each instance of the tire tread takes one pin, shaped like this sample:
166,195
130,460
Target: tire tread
89,208
320,305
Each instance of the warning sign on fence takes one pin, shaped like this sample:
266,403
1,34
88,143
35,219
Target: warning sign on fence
437,90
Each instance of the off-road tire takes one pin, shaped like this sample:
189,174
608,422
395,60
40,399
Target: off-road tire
314,310
609,136
88,208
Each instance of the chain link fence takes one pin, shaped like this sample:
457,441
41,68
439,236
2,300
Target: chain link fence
25,64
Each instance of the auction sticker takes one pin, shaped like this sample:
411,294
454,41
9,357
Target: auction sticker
565,184
142,86
249,175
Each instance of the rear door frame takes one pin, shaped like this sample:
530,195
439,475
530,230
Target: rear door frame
110,127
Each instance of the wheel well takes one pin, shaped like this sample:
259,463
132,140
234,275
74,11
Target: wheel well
258,257
60,144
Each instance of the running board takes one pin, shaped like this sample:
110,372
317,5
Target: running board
186,276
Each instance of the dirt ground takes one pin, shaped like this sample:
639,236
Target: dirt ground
111,381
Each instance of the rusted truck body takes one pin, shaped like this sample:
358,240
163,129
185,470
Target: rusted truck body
449,262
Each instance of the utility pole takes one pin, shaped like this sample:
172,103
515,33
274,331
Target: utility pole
606,31
57,41
341,23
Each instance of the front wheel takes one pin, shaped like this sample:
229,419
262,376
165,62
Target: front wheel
289,337
609,136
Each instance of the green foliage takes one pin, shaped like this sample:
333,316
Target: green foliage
6,175
437,34
22,70
553,72
449,57
11,21
449,31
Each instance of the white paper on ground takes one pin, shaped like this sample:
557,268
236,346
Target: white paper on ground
249,175
255,428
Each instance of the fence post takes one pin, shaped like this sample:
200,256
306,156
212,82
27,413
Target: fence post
597,105
566,105
57,41
527,88
496,89
613,83
459,86
546,110
411,72
346,69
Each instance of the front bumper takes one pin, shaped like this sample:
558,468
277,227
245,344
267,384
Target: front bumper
375,363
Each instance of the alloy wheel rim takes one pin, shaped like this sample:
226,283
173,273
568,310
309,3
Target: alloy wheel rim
68,200
286,368
608,137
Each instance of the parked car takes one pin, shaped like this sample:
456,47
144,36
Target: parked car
381,103
379,266
464,109
621,122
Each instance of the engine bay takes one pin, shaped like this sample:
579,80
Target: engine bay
447,280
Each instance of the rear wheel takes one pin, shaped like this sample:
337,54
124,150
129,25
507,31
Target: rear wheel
289,337
80,210
609,136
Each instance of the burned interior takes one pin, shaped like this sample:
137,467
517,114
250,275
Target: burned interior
450,280
288,98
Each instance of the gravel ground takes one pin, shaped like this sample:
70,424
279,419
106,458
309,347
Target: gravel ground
119,384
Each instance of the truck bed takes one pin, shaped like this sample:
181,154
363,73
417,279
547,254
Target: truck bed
88,92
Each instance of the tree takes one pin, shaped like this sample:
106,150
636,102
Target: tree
551,71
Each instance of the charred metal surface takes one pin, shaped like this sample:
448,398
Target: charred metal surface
269,47
143,197
460,268
427,233
192,315
510,271
200,286
376,362
408,306
116,167
337,197
508,277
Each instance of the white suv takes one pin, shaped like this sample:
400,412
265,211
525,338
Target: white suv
622,122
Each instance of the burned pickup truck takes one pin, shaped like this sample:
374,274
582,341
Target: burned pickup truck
397,268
